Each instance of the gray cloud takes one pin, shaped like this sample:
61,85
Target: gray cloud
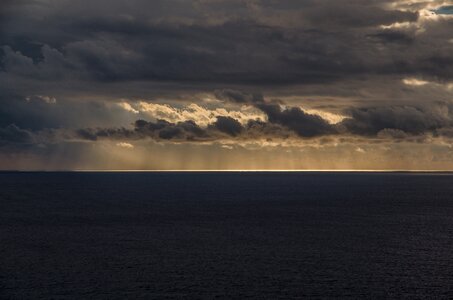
228,125
393,36
406,119
159,130
238,96
183,42
305,125
14,135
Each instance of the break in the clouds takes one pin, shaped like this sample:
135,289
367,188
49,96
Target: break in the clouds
444,10
226,84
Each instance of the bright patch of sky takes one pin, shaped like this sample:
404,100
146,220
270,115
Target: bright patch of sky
444,10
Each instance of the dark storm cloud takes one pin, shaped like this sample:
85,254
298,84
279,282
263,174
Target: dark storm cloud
15,135
228,125
238,96
85,50
104,133
356,14
392,36
158,130
224,128
188,130
38,112
5,6
399,119
293,118
390,121
195,42
87,134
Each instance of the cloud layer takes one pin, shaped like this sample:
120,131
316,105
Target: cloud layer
236,73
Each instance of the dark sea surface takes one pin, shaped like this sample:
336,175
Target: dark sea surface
225,235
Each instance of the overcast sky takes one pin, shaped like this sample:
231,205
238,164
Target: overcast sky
226,84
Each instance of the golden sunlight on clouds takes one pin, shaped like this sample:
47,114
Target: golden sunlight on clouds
204,116
414,82
447,86
200,115
328,116
426,15
125,145
405,4
128,107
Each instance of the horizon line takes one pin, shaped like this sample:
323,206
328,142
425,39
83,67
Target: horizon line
230,171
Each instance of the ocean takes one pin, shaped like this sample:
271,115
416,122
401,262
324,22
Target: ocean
205,235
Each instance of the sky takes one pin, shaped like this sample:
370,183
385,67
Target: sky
226,85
